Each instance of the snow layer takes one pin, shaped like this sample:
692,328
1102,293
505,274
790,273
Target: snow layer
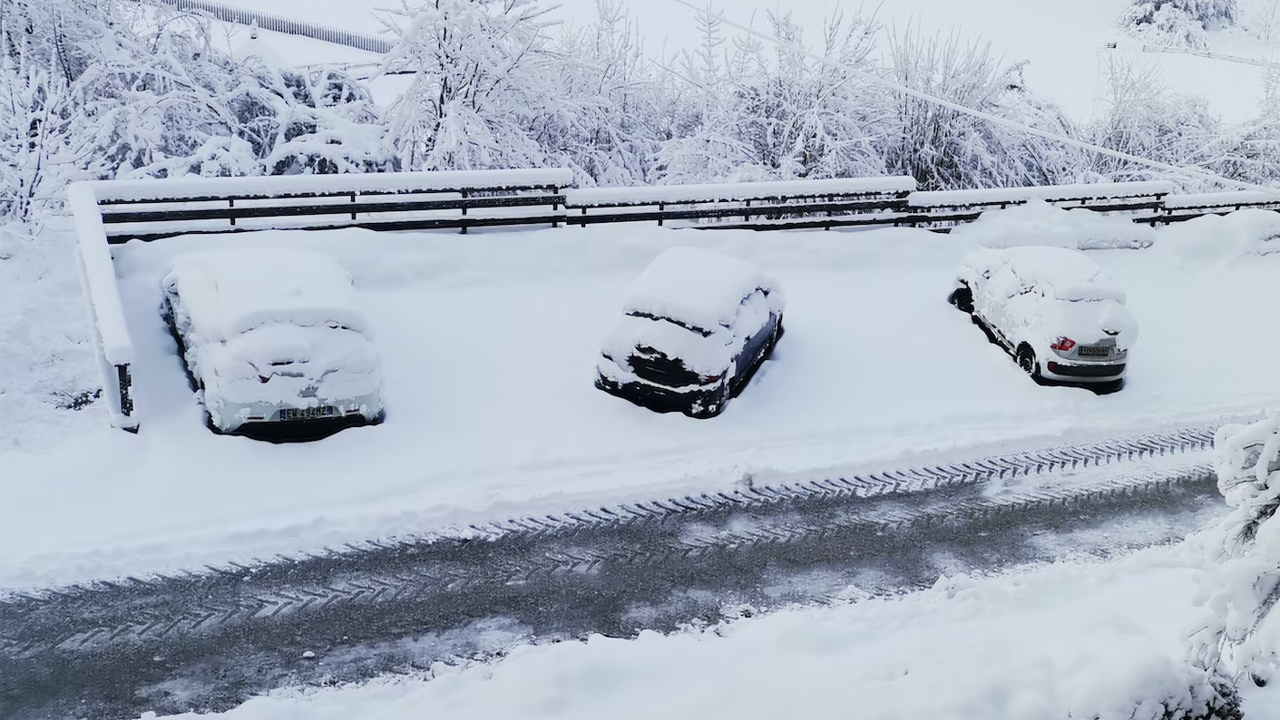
268,186
1066,640
1038,294
230,292
1222,239
727,192
1222,199
489,345
697,288
993,196
1038,223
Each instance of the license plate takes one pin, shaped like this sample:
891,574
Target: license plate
1102,351
310,413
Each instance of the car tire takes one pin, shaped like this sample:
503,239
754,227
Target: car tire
962,299
1027,361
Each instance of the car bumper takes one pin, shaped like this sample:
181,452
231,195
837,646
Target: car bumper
1083,372
250,418
699,401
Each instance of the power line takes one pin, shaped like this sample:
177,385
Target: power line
993,119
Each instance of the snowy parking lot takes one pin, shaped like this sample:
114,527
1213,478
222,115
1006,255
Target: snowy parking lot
489,344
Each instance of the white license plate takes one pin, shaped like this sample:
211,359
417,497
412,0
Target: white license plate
1094,351
310,413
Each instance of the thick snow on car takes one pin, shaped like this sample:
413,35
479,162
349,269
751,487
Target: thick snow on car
272,341
695,327
1053,309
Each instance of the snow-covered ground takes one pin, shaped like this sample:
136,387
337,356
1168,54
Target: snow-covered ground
489,343
1073,639
1064,43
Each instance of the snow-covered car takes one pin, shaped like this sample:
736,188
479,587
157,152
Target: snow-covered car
1053,309
695,327
272,341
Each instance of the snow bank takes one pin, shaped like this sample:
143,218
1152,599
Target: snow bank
1038,223
229,292
1050,193
1062,641
1217,239
729,192
697,288
269,186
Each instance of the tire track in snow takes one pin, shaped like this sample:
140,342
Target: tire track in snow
389,590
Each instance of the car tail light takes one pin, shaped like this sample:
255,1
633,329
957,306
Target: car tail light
709,378
1064,344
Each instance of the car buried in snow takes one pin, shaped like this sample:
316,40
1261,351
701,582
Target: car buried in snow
272,342
1053,309
696,326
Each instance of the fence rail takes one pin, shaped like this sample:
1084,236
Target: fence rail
114,212
280,24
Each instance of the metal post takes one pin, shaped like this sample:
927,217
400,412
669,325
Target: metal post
231,203
661,208
353,212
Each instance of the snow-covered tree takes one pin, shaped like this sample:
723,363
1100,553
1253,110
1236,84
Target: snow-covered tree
1145,119
605,119
946,149
1178,22
1240,637
480,67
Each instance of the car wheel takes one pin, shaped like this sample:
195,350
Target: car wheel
962,299
1027,361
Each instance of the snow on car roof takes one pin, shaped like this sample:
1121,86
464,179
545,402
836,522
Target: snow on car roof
697,288
1069,274
229,292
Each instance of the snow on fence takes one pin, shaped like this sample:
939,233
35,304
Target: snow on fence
1097,196
834,200
288,26
154,209
112,344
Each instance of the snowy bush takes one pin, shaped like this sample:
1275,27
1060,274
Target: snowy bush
946,149
102,88
1144,119
1240,638
1181,23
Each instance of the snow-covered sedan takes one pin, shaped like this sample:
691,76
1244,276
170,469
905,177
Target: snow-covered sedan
1053,309
272,341
695,327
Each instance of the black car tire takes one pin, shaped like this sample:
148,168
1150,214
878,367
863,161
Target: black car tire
1027,361
962,299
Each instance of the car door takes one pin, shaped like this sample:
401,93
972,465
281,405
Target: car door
760,332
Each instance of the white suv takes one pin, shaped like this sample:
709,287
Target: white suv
1053,309
272,341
